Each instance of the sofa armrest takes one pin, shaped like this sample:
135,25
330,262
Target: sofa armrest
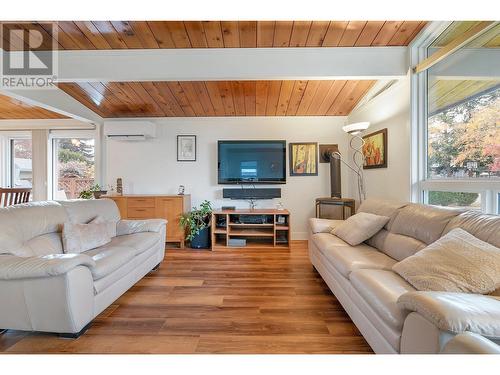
13,268
456,312
137,226
323,225
470,343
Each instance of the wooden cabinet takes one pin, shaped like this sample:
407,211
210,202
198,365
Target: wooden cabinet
168,207
171,208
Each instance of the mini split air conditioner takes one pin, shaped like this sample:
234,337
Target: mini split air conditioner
129,130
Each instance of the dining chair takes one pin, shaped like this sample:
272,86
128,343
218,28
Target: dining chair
12,196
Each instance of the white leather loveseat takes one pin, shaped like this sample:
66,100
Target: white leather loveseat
43,289
362,279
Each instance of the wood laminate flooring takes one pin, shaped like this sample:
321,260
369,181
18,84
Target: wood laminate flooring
231,301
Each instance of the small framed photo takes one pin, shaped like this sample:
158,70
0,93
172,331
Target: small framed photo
186,148
303,159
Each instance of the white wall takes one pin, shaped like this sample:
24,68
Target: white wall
151,168
390,110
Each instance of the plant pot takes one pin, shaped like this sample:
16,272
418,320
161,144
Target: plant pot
98,194
201,240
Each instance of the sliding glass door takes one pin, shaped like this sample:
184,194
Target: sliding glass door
73,166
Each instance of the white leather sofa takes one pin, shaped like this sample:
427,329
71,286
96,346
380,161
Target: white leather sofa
362,279
470,343
43,289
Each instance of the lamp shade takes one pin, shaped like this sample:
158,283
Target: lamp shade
356,128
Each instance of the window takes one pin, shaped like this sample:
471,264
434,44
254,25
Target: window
457,162
471,201
21,170
464,139
73,166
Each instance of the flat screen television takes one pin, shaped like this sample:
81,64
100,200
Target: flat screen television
253,162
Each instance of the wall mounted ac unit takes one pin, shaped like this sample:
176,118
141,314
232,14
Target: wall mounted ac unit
129,130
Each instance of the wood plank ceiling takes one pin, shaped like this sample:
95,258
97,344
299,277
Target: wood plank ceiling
14,109
235,98
447,93
89,35
222,98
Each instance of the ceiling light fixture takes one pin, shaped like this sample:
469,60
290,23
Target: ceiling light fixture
356,128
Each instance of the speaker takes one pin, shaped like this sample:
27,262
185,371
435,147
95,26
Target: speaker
258,193
335,178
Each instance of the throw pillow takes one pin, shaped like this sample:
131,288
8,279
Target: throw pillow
78,238
358,228
457,262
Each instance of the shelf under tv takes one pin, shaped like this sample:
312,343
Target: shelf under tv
272,232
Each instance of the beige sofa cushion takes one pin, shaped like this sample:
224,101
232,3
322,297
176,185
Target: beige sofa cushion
360,227
382,207
78,238
381,289
22,223
423,222
82,211
108,259
323,225
456,312
139,242
346,258
457,262
395,245
483,226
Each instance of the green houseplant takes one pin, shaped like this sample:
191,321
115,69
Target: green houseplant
94,191
197,223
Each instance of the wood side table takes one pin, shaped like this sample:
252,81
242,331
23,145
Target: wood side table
330,201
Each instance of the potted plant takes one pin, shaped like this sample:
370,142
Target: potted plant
94,191
197,225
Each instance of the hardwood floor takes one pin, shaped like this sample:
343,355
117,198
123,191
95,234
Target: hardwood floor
233,301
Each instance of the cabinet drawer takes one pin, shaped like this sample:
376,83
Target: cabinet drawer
140,212
140,202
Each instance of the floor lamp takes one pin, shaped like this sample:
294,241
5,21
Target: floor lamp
354,130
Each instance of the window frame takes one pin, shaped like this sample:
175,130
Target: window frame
6,138
420,184
63,134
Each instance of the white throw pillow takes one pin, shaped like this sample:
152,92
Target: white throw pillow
78,238
457,262
358,228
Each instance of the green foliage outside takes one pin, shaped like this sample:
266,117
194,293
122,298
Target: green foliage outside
76,158
65,156
448,198
197,220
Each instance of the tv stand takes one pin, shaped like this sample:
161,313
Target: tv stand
261,228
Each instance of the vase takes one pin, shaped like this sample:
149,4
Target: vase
202,239
98,194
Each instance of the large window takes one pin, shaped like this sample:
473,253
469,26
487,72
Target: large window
464,138
460,155
21,170
73,166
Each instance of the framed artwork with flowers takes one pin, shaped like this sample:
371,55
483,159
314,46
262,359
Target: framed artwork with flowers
375,150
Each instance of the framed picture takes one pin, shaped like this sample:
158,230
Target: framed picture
186,148
303,159
375,150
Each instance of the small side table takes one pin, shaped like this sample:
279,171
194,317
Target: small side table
330,201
